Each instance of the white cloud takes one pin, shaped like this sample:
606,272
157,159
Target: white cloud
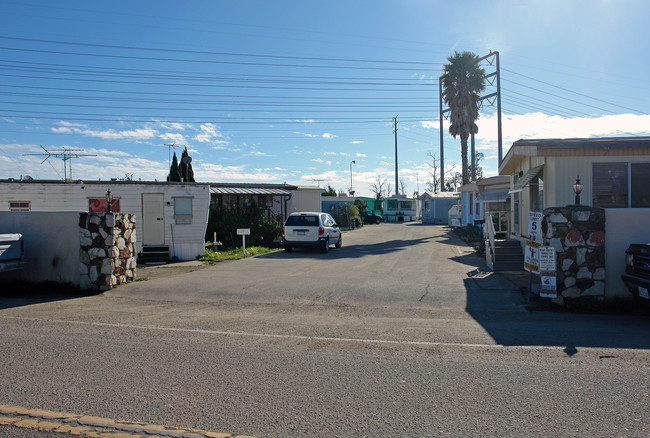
539,125
218,172
173,137
325,135
107,134
357,142
360,155
430,124
208,133
317,160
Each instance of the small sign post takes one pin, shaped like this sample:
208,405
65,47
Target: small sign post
531,257
547,271
243,232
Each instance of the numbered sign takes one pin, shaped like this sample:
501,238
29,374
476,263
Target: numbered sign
535,223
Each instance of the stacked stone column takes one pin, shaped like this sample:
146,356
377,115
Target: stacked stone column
107,251
578,235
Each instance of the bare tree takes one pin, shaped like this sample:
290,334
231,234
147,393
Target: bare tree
389,190
379,187
454,182
433,183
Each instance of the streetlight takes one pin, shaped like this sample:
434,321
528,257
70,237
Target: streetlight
109,199
351,163
577,189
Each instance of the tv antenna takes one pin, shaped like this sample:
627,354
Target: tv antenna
318,181
171,146
66,154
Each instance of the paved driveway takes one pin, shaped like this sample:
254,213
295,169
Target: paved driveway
386,264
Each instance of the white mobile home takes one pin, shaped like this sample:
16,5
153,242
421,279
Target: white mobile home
614,175
168,214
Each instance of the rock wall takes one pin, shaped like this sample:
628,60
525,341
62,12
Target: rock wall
107,251
578,235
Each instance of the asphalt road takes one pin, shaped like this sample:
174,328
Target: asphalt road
402,332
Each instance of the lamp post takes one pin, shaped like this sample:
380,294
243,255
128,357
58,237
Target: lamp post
351,163
109,199
577,189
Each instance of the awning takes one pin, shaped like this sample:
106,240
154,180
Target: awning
248,191
526,179
493,196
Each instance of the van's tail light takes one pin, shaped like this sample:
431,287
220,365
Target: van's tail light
321,231
283,231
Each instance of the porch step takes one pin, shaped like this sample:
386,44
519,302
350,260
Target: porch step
508,255
154,254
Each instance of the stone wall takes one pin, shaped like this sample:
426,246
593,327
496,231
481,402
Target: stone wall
578,235
107,251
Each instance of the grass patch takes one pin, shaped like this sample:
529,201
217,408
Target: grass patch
212,256
142,279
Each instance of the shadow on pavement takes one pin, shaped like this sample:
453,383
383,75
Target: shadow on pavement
349,251
24,294
499,306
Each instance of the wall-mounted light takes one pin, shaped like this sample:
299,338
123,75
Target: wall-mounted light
577,189
109,200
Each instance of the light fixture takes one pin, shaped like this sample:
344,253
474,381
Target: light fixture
109,200
577,189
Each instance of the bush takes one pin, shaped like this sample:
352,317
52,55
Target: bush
264,229
470,233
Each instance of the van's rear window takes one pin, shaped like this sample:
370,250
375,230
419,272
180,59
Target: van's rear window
302,221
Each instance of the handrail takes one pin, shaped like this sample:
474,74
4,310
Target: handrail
491,233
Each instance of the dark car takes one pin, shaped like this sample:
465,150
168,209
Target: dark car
637,269
370,217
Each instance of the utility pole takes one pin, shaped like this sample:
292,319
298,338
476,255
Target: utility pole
396,174
492,59
442,141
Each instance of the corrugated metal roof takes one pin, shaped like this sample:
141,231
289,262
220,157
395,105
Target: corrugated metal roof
248,191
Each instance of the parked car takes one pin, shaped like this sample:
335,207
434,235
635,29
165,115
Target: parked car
637,270
370,217
310,230
12,252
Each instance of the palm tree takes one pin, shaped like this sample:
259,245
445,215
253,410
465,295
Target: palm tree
463,80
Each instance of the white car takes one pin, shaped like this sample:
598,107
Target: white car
310,230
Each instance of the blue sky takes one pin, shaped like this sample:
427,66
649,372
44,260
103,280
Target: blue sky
294,91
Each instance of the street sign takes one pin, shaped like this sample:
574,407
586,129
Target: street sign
547,259
547,272
535,223
243,232
531,256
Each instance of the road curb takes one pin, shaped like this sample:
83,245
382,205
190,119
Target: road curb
97,427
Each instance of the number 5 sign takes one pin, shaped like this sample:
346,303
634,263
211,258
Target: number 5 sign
535,223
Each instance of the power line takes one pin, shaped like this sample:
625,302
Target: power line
213,53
